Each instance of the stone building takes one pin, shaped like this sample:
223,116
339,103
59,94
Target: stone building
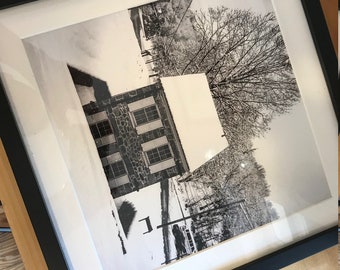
134,132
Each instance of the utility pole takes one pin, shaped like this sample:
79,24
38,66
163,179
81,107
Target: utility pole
200,213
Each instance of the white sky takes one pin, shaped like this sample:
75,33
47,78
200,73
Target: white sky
145,251
105,48
291,160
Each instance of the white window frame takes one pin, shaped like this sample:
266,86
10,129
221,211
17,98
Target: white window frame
143,104
163,164
96,118
148,159
113,182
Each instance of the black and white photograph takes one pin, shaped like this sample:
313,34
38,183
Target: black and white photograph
182,125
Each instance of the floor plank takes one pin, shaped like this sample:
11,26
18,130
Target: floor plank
3,219
18,217
10,258
9,255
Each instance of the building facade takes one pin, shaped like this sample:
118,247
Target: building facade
134,132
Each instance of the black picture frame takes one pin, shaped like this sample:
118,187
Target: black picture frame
41,221
11,3
324,47
295,252
27,183
329,64
25,178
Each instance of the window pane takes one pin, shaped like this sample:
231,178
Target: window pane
104,128
145,115
164,152
159,154
101,129
91,108
153,156
151,113
108,172
118,169
140,117
114,170
95,131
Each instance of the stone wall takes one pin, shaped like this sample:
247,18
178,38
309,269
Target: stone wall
128,142
129,145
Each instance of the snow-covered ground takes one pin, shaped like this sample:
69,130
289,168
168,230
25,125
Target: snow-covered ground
144,250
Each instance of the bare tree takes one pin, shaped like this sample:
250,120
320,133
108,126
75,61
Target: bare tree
246,64
231,176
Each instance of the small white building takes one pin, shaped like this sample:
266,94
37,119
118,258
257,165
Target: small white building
196,118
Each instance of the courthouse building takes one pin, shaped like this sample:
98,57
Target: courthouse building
134,132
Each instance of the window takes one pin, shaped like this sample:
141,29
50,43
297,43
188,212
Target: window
115,170
146,115
101,129
107,150
91,108
159,154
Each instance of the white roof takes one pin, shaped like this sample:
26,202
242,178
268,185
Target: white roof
195,117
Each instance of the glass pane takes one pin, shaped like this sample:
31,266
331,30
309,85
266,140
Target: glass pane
145,115
164,152
153,156
95,131
108,172
140,117
151,113
104,128
158,154
118,169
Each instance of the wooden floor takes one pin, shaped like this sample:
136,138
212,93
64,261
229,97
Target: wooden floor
9,255
3,219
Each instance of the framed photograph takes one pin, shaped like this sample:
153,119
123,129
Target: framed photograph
176,134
